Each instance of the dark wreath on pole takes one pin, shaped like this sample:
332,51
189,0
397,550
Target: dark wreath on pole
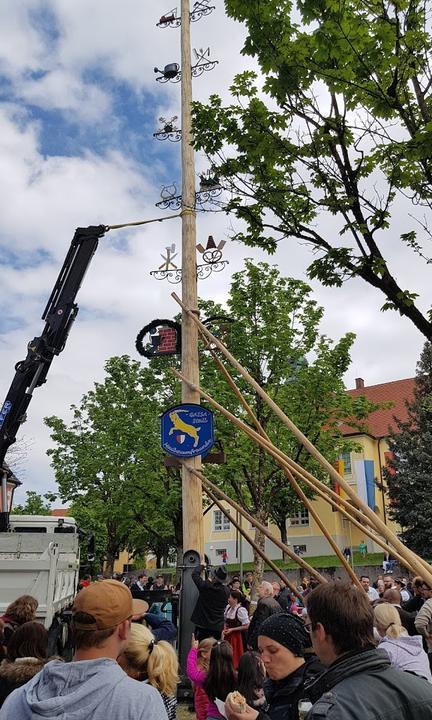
165,339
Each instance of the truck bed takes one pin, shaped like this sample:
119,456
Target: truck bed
43,565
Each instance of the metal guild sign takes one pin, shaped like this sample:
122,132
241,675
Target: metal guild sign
187,430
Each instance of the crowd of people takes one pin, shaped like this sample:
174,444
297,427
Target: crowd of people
329,650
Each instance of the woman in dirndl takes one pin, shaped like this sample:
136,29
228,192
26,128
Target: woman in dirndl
236,624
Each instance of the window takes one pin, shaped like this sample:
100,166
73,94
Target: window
221,522
65,529
346,457
300,518
28,529
220,552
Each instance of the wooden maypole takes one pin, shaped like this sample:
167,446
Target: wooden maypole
191,484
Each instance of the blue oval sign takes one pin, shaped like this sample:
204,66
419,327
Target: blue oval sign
187,430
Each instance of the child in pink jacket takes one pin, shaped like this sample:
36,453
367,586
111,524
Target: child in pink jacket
197,668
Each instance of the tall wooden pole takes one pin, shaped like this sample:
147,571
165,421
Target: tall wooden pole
191,484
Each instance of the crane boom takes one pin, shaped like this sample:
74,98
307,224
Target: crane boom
59,314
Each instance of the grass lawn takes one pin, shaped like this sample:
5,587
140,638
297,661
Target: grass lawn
317,561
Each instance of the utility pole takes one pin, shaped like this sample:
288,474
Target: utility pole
191,485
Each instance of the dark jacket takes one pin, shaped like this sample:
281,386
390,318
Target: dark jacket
407,620
364,686
9,627
414,604
209,609
284,599
15,674
265,607
283,695
161,628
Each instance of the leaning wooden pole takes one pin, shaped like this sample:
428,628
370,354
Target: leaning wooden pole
276,452
293,482
256,547
333,499
256,523
193,536
303,474
316,485
411,558
327,494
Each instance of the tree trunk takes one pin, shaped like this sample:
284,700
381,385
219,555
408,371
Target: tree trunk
179,562
258,562
178,535
109,563
284,537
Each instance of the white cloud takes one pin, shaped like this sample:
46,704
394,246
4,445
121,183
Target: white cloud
61,90
22,48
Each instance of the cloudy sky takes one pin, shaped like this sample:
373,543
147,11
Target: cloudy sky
79,104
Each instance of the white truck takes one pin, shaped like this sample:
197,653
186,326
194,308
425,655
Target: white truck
40,556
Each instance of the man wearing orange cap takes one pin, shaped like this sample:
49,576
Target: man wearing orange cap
93,686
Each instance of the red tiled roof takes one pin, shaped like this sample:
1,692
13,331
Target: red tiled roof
60,512
378,422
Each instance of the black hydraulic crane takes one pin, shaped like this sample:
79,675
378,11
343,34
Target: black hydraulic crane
59,314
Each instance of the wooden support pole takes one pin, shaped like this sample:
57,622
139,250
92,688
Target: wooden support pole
307,477
278,454
256,547
411,559
293,482
256,523
191,486
326,492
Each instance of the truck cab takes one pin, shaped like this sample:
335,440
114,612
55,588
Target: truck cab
40,556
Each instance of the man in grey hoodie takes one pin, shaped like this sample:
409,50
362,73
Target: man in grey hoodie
93,686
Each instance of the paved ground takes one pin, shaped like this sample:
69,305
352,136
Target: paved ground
183,712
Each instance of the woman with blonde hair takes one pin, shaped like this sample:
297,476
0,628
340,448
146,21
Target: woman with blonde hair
154,662
405,651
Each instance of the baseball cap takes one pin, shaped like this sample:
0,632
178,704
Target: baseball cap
108,602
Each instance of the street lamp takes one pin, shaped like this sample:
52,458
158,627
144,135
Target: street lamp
9,483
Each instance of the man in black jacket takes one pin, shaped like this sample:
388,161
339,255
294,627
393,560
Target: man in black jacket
208,613
359,682
281,594
266,606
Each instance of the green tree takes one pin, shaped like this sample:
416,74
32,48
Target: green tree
35,504
275,336
408,472
338,133
108,461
